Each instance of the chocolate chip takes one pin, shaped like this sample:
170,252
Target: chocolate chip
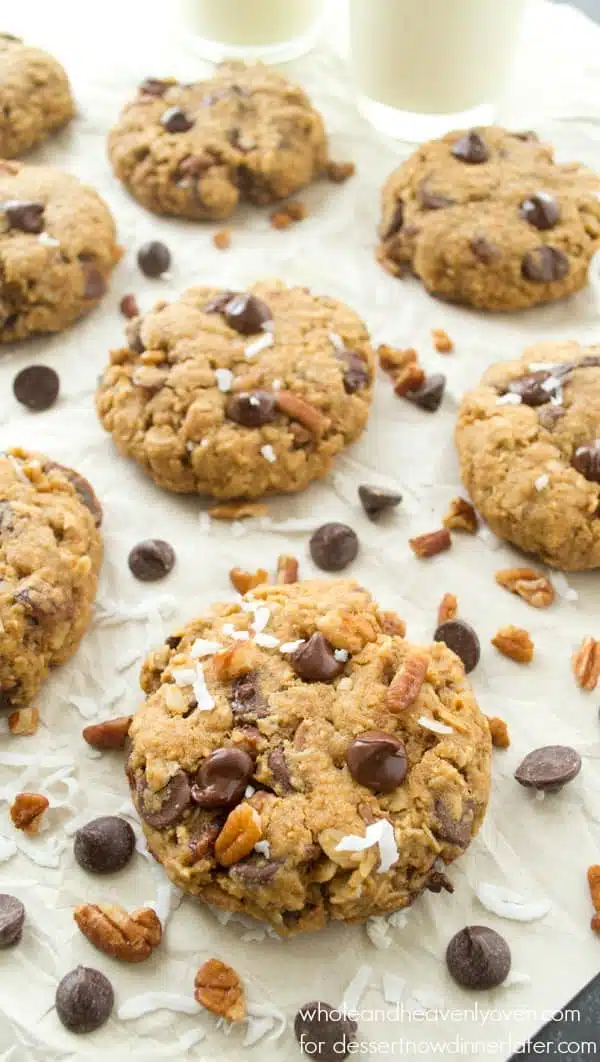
218,302
549,768
356,373
429,395
432,200
154,258
471,148
377,761
544,265
529,388
333,546
153,86
134,337
483,249
94,284
36,387
252,408
175,120
324,1032
104,845
448,828
376,500
175,798
478,957
222,779
462,640
314,661
526,134
12,917
151,560
129,307
24,214
437,881
279,770
540,210
586,460
86,493
396,221
246,314
84,1000
246,700
253,873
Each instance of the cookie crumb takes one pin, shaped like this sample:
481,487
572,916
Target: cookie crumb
515,643
499,732
237,510
338,172
431,543
222,239
586,664
441,341
448,608
461,516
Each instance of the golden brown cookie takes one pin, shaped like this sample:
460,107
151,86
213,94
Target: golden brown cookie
487,218
239,394
528,439
50,555
196,150
297,760
36,96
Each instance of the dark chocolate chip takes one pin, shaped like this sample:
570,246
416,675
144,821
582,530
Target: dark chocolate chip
254,873
432,200
84,1000
586,460
478,958
154,258
396,221
314,661
549,768
429,395
133,336
129,307
279,770
104,845
333,546
222,779
12,917
175,120
24,214
356,373
252,408
462,640
151,560
545,265
526,134
377,761
376,500
540,210
153,86
483,249
6,703
471,148
86,493
175,799
94,284
246,314
36,387
246,700
437,881
324,1032
454,831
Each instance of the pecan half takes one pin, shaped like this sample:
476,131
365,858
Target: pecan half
298,409
430,543
586,664
447,608
109,734
237,660
287,569
238,510
116,932
498,732
26,811
245,581
593,877
240,833
219,988
407,682
461,516
534,587
25,721
515,643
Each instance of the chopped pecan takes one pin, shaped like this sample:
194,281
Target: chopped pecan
338,172
26,811
287,569
392,624
238,659
279,219
515,643
407,682
447,608
586,664
218,988
534,587
430,543
393,360
25,721
116,932
441,341
222,239
288,214
299,409
109,734
499,732
237,510
461,516
593,876
245,581
240,833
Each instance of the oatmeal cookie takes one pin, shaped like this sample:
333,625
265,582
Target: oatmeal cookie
36,96
323,768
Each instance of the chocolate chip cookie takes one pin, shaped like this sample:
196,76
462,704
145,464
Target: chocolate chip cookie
196,150
487,218
298,760
36,96
50,554
57,249
528,438
239,394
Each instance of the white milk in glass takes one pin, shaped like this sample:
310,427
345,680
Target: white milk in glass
424,66
268,29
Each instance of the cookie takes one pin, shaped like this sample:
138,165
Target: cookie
50,554
238,395
36,96
487,218
528,440
285,776
196,150
57,249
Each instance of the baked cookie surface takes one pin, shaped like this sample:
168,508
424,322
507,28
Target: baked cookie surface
488,219
196,150
50,555
351,804
239,395
36,96
528,441
57,249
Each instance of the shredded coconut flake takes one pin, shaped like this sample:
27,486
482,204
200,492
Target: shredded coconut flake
48,240
184,676
509,399
516,978
293,526
268,453
224,379
124,662
148,1002
337,341
249,791
259,344
341,655
203,647
507,904
356,989
290,647
204,700
551,384
262,615
540,795
263,848
491,540
541,366
378,932
435,725
263,1019
380,833
393,987
542,481
268,641
8,849
563,587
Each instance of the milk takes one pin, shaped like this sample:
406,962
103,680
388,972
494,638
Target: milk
244,26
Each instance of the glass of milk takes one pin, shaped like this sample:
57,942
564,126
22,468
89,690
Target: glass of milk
423,67
270,30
